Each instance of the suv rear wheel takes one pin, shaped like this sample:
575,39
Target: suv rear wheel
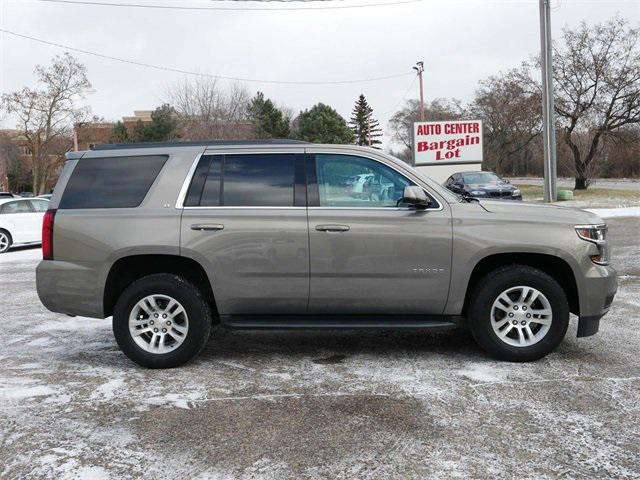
518,313
161,321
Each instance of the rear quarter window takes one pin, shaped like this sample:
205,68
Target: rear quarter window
112,182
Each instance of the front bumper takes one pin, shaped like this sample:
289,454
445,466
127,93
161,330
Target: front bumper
596,296
489,197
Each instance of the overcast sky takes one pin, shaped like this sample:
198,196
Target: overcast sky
460,41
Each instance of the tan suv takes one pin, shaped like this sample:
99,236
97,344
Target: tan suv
168,238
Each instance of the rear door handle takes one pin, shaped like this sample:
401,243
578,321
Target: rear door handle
332,228
213,227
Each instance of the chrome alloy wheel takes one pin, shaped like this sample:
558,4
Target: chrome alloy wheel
158,324
4,242
521,316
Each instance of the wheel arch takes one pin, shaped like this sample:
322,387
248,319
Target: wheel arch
128,269
552,265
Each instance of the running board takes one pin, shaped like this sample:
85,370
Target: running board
338,322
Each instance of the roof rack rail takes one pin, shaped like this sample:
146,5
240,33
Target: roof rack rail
204,143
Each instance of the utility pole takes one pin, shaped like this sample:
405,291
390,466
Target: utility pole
420,69
548,117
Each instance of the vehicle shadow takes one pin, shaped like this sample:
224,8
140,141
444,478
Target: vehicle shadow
332,346
22,248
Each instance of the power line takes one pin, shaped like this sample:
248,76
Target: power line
263,9
199,74
413,81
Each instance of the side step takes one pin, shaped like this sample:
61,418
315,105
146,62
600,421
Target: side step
338,322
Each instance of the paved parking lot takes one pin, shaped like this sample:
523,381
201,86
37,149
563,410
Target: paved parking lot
317,404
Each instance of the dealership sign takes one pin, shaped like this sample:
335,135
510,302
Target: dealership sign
458,141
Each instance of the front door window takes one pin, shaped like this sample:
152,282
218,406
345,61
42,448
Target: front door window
351,181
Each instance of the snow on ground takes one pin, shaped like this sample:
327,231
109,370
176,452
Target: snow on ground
615,212
566,182
315,405
21,254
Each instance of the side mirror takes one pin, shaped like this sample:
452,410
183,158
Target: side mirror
506,180
415,196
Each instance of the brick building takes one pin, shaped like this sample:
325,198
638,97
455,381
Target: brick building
93,133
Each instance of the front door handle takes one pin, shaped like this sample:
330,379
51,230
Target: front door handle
201,227
332,228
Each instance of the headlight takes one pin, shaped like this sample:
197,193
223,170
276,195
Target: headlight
480,193
515,193
596,234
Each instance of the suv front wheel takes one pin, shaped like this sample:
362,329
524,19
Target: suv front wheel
161,321
518,313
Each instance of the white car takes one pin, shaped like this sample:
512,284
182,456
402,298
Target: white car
21,221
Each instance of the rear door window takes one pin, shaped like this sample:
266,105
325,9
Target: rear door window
258,180
113,182
19,206
245,180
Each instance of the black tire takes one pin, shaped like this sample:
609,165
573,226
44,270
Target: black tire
190,297
4,247
487,291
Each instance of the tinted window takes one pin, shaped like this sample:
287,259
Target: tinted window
17,207
39,205
350,181
116,182
258,180
212,185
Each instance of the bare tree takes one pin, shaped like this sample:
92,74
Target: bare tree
597,89
46,115
206,111
511,116
401,124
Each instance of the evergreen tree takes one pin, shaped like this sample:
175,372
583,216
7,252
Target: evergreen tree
162,127
120,134
365,128
322,124
268,120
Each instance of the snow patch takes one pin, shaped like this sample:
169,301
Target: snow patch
482,373
615,212
21,393
92,473
21,255
108,390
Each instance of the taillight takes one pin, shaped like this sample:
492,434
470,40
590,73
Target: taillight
47,234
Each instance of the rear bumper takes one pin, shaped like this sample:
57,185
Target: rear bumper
599,289
70,288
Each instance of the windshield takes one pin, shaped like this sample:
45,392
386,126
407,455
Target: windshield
481,177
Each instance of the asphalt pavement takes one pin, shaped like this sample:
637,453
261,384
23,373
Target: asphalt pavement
312,405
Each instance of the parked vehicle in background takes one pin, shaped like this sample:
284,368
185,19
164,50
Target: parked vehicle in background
26,194
46,196
168,238
6,195
482,185
21,221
